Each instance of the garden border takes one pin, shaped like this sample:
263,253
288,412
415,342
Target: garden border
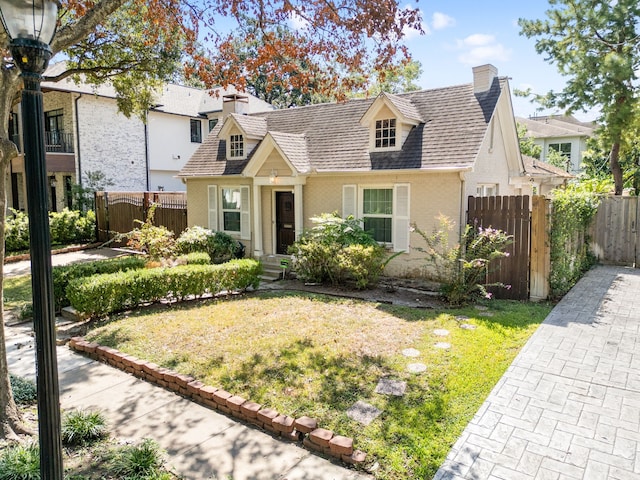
303,430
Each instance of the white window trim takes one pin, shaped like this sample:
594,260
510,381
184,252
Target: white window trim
244,147
372,143
483,187
353,196
216,213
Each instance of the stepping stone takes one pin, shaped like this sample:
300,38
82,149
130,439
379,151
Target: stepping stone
410,352
443,345
386,386
481,308
485,314
468,326
416,368
462,318
441,332
363,413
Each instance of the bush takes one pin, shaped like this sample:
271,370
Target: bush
157,242
64,274
196,258
72,227
20,462
16,232
464,267
83,427
65,227
338,250
103,294
220,246
24,390
144,461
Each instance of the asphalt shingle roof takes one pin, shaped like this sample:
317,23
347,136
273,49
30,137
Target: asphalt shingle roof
454,123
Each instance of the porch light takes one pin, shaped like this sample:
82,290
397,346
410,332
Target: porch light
30,26
273,178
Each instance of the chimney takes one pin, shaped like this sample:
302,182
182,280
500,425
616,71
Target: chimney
235,103
483,77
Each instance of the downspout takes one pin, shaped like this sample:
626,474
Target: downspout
146,147
463,211
78,162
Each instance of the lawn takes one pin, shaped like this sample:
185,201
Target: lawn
307,354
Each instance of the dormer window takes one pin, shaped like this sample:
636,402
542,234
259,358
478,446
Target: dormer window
236,146
386,133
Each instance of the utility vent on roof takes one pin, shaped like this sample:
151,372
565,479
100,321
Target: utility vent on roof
235,103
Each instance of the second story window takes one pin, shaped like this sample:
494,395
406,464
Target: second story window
236,146
53,126
563,148
212,123
385,133
196,131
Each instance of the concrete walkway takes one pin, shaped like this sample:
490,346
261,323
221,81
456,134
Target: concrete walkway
569,405
201,443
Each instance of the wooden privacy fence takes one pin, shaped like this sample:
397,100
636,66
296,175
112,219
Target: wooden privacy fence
615,237
117,212
511,215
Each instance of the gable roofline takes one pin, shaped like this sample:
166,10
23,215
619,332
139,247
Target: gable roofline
251,126
402,108
274,141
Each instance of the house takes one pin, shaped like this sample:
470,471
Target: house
543,176
86,133
564,134
390,161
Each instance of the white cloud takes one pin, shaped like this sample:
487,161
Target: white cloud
480,48
441,20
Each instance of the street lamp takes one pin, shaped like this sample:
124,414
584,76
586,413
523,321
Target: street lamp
30,26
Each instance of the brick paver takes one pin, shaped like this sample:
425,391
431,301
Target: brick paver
569,405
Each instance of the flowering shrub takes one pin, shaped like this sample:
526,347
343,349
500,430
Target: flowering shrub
463,268
157,242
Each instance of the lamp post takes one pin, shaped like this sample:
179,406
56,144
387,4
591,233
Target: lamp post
30,26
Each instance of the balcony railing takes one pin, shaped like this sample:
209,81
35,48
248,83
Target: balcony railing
58,142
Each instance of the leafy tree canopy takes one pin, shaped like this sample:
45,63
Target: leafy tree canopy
595,44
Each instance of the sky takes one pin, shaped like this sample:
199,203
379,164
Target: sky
462,34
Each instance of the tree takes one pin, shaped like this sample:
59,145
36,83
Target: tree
527,145
596,45
138,44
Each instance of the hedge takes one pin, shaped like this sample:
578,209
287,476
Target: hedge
64,274
103,294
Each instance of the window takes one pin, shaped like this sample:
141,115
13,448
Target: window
386,133
377,209
53,127
236,146
562,148
212,123
487,190
231,204
228,209
196,131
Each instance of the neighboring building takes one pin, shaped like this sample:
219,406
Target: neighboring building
543,176
85,132
391,161
564,134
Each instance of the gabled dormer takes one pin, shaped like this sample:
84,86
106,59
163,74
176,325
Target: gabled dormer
389,119
242,133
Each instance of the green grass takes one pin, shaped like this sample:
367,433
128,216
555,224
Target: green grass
315,355
17,292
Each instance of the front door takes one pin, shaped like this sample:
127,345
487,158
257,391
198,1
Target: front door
285,222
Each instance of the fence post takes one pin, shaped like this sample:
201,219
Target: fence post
540,249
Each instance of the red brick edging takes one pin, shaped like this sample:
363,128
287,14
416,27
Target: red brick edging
303,429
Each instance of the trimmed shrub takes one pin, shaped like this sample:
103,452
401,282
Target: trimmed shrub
16,232
196,258
104,294
64,274
220,246
83,427
24,390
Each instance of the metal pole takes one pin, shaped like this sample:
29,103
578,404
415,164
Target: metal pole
43,300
